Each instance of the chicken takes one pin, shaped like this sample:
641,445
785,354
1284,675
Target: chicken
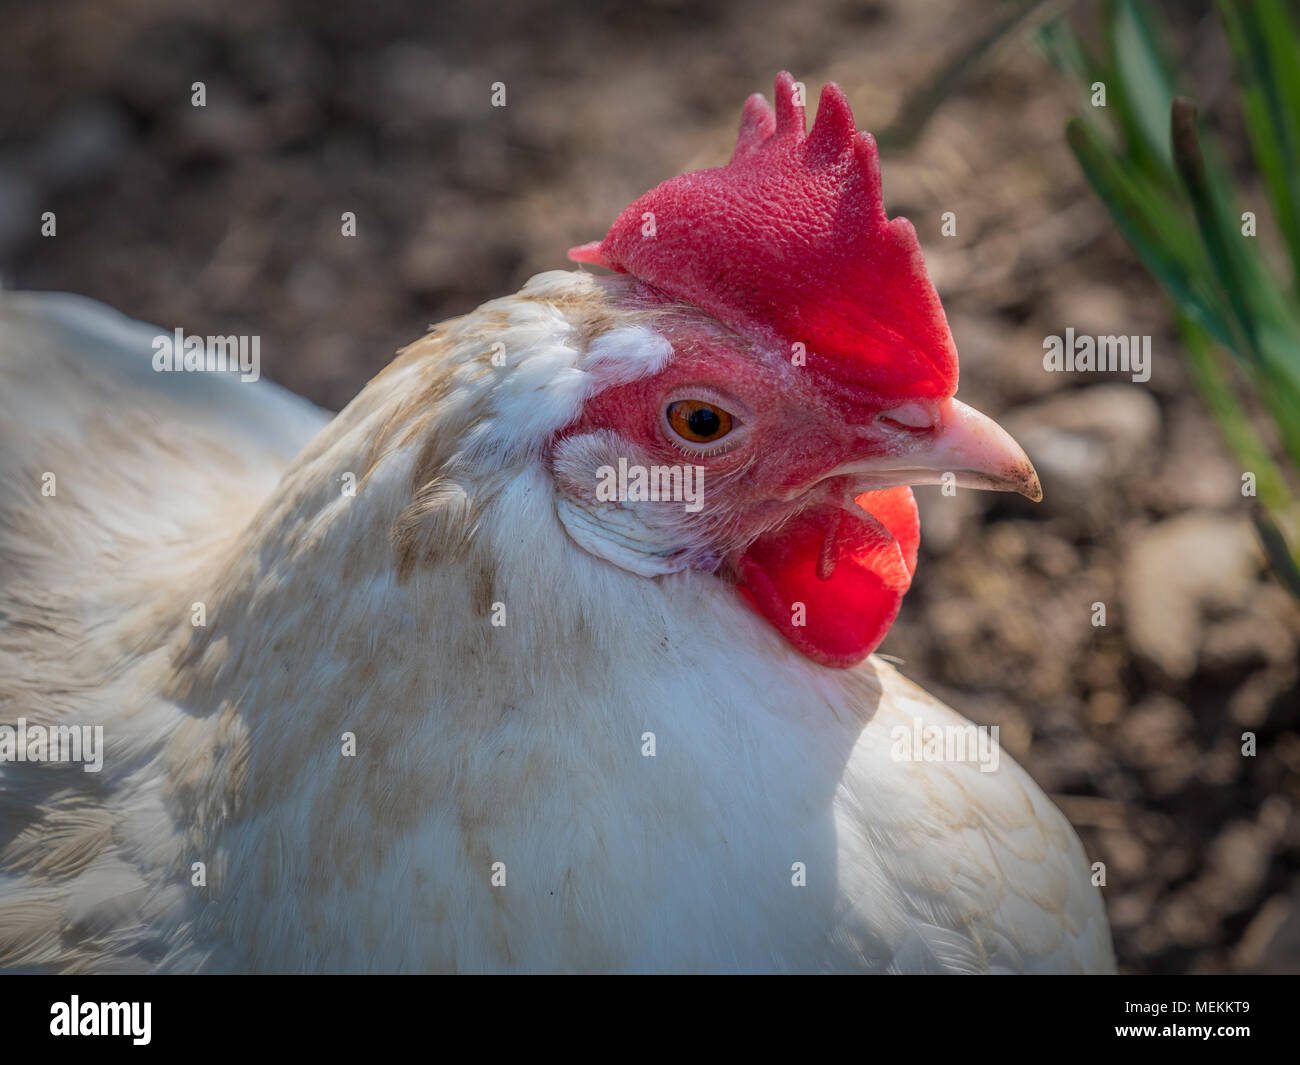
550,652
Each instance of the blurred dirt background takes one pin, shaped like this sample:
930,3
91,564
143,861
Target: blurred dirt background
226,219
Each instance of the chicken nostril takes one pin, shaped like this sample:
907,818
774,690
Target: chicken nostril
911,416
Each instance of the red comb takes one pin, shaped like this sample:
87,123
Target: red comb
789,242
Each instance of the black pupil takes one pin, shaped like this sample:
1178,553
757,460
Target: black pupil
704,421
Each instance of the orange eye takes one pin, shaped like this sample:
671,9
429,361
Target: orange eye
698,422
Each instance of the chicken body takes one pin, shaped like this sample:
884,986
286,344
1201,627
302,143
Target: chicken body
431,724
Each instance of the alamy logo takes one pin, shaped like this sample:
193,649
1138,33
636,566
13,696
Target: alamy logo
946,743
178,353
53,743
1108,354
651,484
102,1018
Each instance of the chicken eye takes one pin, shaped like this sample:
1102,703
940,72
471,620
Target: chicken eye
698,422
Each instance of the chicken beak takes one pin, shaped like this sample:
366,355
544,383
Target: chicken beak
964,448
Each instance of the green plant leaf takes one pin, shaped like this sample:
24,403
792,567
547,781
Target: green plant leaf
1214,382
1143,75
1267,52
1281,555
1259,324
1175,201
1161,236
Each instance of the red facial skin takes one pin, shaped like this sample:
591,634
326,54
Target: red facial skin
771,514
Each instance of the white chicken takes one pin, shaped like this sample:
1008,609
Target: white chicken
438,684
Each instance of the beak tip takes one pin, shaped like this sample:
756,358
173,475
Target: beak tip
1031,487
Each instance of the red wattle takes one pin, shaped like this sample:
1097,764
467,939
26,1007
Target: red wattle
839,621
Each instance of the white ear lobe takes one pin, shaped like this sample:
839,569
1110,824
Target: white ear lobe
647,540
617,536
